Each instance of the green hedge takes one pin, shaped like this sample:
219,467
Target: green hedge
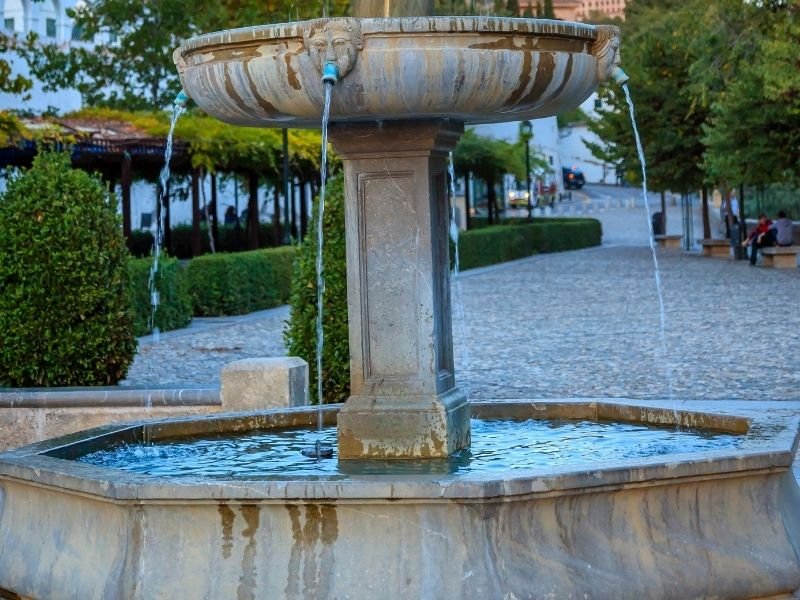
242,282
501,243
230,239
175,303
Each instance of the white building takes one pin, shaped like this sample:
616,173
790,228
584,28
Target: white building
47,18
545,142
574,152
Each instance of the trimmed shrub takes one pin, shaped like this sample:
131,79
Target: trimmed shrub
239,283
501,243
175,303
64,308
231,239
301,332
140,243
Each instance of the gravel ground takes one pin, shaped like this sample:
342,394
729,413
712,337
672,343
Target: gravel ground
575,324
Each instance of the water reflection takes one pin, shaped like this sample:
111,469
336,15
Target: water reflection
497,446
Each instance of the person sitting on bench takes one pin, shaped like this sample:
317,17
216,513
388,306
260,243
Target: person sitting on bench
782,230
760,237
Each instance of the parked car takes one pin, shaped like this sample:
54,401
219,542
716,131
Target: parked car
573,178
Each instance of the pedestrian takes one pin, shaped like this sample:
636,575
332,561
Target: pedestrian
230,216
760,237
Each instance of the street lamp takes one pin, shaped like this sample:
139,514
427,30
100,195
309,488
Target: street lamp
526,135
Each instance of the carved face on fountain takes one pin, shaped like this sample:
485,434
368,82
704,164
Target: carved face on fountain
606,51
337,41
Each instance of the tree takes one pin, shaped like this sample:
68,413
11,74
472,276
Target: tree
11,84
670,121
512,8
549,11
131,66
488,159
746,73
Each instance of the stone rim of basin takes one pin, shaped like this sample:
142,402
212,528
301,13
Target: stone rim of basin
772,447
478,69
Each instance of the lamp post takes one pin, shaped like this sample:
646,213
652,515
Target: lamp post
526,134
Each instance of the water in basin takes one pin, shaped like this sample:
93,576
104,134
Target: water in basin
497,446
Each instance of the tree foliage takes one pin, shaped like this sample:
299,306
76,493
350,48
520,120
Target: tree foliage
10,83
126,58
716,90
217,146
656,57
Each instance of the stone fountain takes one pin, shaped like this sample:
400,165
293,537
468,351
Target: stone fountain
722,524
406,88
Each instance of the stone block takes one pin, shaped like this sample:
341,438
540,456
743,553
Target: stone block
259,383
670,242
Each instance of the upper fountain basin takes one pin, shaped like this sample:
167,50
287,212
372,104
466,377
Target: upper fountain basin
469,69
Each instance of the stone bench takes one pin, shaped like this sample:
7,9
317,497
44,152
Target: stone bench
716,248
780,257
669,241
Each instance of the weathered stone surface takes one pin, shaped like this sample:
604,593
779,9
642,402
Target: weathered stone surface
716,248
671,242
404,402
33,415
259,383
704,525
469,69
781,257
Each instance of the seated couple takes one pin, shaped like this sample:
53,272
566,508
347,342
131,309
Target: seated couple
767,233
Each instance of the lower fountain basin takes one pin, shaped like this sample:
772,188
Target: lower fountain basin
722,523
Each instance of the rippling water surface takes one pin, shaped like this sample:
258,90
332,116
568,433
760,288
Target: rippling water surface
497,445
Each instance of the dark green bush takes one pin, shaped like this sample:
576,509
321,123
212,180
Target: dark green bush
301,333
230,239
239,283
175,303
64,308
140,243
501,243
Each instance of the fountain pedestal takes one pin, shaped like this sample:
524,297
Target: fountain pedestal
404,402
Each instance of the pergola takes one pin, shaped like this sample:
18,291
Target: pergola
117,150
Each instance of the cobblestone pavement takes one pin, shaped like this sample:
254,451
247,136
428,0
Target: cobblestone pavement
586,324
575,324
198,353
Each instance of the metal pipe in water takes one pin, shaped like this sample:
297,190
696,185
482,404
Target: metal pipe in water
620,76
330,73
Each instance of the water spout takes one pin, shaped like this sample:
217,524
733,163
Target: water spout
182,99
330,73
620,76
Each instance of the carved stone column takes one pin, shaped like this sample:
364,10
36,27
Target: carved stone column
404,402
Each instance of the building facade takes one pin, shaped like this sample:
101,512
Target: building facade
580,10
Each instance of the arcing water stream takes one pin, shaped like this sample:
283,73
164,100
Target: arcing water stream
177,111
458,300
319,451
661,312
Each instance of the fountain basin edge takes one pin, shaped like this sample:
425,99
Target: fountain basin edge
717,524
